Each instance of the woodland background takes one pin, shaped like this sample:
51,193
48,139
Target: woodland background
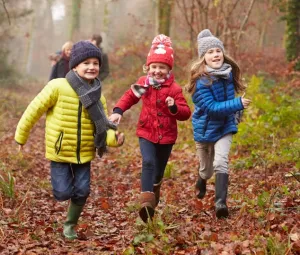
262,35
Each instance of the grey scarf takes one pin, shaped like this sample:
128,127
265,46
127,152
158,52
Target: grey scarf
89,95
223,72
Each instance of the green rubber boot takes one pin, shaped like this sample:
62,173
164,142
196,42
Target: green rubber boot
72,219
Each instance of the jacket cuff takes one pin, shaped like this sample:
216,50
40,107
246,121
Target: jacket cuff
111,139
118,110
241,103
173,109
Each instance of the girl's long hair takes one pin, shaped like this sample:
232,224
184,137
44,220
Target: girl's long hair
198,70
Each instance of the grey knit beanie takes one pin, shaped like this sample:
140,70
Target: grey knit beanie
83,50
207,41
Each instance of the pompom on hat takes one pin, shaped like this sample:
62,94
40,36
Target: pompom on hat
161,51
83,50
207,41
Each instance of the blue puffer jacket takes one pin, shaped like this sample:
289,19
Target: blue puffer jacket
215,107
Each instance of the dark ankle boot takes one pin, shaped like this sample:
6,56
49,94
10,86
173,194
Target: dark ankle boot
221,187
73,215
201,187
156,190
147,201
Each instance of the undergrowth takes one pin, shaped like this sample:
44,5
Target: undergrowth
268,132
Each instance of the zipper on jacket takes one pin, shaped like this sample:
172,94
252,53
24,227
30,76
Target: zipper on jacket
213,94
79,132
225,90
58,142
225,97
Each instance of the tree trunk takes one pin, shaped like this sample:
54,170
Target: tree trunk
164,16
75,22
293,33
265,22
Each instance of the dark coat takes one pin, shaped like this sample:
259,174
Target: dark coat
104,69
60,69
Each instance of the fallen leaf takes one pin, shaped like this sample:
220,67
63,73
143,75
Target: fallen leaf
246,243
7,210
48,230
198,204
105,205
271,217
182,210
294,237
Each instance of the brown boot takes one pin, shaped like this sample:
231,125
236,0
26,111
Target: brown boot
156,190
147,201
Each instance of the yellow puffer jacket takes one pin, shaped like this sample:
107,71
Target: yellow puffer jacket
69,129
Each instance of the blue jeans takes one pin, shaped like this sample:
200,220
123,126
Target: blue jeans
71,181
155,157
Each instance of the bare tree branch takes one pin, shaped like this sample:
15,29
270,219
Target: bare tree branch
227,14
7,14
244,21
184,10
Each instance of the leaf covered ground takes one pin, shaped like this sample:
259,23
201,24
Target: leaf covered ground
264,201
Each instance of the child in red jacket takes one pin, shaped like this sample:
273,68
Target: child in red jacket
162,105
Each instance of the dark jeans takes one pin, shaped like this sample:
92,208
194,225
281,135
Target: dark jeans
71,181
155,157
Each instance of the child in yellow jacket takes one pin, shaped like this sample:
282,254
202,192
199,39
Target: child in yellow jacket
76,126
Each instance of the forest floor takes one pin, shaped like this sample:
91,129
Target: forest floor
264,210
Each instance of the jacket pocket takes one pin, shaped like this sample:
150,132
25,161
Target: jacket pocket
142,121
205,126
58,142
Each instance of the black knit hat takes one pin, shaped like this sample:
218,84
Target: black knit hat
83,50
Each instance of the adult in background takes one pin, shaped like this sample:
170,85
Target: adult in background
104,69
61,67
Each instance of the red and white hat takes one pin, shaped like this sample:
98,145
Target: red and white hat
161,51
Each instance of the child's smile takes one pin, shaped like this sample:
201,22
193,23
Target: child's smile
214,58
158,71
88,69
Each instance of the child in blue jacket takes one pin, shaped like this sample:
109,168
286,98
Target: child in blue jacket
214,79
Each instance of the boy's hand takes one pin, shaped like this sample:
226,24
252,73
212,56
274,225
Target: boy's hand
170,101
115,117
20,147
120,137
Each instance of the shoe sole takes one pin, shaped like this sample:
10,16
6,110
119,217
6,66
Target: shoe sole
222,213
146,212
200,195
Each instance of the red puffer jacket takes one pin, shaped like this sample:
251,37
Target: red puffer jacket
156,123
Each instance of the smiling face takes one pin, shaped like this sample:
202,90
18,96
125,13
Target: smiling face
214,58
67,51
88,69
158,71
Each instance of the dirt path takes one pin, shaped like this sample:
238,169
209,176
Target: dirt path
32,222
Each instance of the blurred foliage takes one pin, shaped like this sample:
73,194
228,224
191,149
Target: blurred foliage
9,18
291,14
268,134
